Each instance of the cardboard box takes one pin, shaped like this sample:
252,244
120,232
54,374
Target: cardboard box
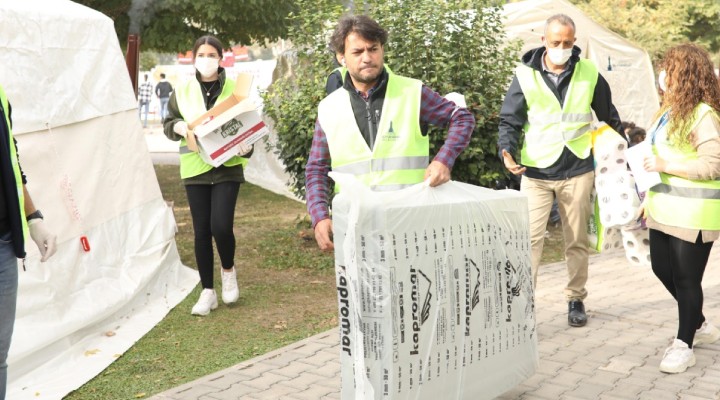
218,132
434,292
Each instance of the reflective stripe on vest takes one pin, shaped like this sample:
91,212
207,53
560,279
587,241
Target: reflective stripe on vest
549,127
191,104
400,155
15,166
684,202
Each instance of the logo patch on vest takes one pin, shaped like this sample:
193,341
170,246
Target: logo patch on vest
390,135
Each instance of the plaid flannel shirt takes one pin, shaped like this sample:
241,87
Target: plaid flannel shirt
145,92
434,110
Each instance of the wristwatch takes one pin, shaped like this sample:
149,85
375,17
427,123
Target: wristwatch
35,214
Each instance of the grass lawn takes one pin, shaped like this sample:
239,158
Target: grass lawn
287,293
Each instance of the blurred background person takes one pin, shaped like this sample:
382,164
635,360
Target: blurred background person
145,91
162,91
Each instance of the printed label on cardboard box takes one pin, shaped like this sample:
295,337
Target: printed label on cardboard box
219,138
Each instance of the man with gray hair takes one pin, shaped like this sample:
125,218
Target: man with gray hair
550,101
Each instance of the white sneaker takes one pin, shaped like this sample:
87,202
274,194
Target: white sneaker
230,291
206,302
707,334
677,358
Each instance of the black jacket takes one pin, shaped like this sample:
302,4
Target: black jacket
163,89
334,81
367,113
513,116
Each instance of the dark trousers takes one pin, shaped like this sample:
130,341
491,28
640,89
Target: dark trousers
213,210
680,266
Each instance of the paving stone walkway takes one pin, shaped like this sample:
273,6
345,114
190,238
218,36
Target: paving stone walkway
632,319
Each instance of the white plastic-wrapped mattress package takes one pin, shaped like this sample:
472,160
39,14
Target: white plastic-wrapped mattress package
435,291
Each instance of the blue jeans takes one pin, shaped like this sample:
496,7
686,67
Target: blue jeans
8,300
144,107
163,107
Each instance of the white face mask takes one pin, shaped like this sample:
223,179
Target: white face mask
559,56
207,66
661,80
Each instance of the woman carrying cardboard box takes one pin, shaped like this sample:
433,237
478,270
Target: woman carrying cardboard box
212,192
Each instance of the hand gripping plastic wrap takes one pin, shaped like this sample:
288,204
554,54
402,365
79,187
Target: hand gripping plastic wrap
435,291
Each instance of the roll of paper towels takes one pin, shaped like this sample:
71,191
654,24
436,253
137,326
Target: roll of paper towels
637,246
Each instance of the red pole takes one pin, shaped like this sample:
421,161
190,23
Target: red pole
132,59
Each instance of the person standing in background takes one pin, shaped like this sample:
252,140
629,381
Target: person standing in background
683,212
144,96
211,191
162,91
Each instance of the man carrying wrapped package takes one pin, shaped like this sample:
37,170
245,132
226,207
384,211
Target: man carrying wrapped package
371,126
550,100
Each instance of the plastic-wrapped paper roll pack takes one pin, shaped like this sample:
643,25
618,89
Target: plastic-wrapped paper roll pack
434,290
617,198
615,186
612,239
637,246
608,150
602,238
610,157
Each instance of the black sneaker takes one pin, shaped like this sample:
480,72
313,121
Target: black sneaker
576,313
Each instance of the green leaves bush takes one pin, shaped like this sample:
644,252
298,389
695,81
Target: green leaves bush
452,46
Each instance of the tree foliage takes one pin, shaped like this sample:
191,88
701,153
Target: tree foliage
657,25
452,46
173,25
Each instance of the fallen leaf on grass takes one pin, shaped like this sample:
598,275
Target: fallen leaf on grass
140,395
280,325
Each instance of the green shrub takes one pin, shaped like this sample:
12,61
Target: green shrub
452,46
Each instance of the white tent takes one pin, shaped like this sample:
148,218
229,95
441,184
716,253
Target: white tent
625,66
82,147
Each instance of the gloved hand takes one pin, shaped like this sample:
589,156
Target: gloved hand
181,128
244,148
45,241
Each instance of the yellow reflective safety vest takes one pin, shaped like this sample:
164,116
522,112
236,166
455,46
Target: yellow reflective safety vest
191,104
550,127
400,154
15,166
682,202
